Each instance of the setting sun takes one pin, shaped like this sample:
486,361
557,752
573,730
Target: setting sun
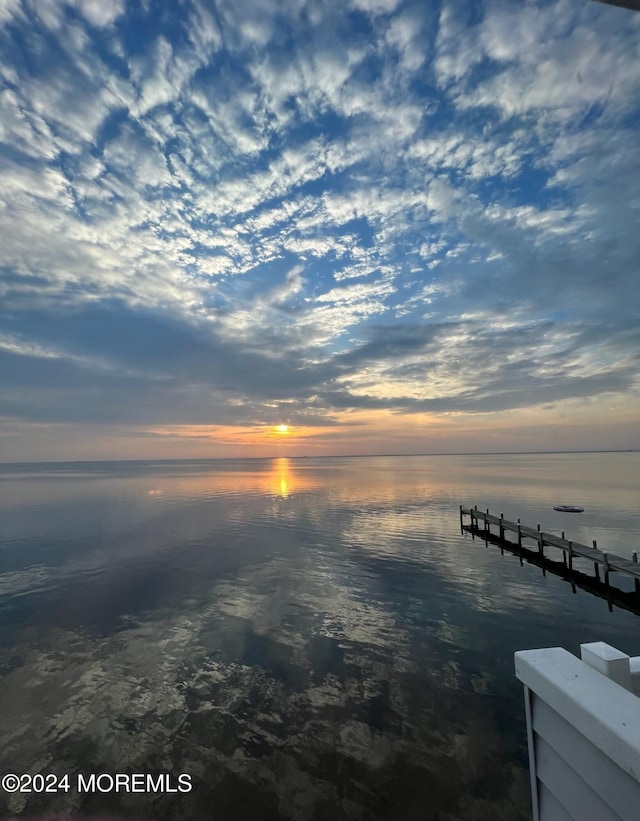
283,428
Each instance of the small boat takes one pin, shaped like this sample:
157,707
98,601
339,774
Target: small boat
568,509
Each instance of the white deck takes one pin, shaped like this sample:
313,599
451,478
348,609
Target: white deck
583,729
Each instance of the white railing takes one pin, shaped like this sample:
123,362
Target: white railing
583,732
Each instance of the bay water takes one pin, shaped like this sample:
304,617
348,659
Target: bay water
305,638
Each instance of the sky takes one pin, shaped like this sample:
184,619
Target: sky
305,227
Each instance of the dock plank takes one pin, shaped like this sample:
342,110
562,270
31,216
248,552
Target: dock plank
607,560
589,553
624,565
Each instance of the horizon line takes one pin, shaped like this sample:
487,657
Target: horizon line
318,456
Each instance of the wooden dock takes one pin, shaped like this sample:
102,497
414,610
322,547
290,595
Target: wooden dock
601,559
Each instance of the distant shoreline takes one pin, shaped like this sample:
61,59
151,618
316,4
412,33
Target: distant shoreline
309,456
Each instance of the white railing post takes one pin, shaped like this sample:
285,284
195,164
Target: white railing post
583,732
634,669
531,747
607,660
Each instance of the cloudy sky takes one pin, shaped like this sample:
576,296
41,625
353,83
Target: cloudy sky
391,226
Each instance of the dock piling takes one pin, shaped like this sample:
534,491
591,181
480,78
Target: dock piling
609,562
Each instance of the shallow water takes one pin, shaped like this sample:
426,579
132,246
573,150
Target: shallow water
306,638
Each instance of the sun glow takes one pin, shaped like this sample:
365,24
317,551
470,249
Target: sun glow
283,428
282,477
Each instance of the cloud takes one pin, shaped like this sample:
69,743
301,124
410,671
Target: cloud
375,7
560,64
385,207
101,13
8,8
406,35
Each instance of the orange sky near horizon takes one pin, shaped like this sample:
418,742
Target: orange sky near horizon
572,425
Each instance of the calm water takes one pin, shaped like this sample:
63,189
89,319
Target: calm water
306,638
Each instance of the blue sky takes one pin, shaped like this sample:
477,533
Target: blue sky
390,226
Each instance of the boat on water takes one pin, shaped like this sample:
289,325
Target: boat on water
568,509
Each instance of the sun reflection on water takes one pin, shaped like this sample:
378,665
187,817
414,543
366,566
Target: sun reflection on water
282,476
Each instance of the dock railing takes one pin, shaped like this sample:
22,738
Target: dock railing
571,550
583,732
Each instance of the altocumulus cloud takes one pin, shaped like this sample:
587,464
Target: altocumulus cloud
220,213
